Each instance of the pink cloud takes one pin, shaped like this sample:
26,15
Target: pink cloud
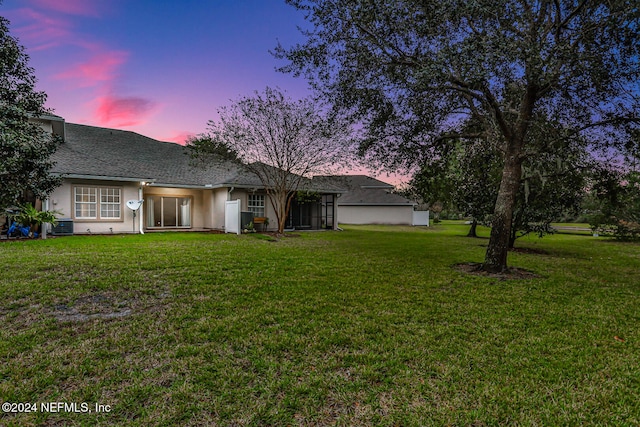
101,67
45,24
42,31
179,138
116,111
70,7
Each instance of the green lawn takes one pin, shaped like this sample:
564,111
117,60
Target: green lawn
370,326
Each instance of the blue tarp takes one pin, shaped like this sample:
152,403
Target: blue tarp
17,230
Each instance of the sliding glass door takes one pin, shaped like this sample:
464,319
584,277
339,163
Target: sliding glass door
169,212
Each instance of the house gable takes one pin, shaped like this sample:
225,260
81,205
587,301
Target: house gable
363,190
367,200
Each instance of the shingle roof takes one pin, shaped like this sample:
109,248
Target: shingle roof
305,184
103,152
364,190
97,152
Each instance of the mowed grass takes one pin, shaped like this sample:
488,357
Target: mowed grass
370,326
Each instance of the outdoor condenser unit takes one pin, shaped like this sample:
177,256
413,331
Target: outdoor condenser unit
245,219
64,227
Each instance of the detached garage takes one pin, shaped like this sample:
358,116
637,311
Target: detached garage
366,200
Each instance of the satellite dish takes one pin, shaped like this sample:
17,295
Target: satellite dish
134,205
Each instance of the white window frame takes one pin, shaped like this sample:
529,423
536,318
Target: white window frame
257,205
96,198
111,199
85,199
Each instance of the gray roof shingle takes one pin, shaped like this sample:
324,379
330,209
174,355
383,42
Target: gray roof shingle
364,190
97,152
103,152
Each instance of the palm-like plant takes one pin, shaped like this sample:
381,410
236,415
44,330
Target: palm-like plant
29,216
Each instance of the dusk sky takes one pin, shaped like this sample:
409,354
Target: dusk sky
160,68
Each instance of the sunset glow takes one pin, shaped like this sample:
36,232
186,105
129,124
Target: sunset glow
161,69
122,112
99,68
158,68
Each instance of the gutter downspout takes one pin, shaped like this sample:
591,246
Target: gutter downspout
45,207
229,193
141,214
336,226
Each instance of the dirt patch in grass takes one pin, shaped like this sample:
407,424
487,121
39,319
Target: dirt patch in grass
273,236
513,273
269,237
93,306
102,306
278,235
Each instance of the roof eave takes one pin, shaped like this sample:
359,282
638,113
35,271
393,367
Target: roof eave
192,186
262,187
102,177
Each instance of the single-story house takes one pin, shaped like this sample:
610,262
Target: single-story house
103,169
369,201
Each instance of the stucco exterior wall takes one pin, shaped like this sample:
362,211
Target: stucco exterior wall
269,212
219,196
401,215
207,205
62,200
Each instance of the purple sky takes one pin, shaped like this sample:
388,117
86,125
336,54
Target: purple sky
160,68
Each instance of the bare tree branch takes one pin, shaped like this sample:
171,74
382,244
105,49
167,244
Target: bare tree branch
282,142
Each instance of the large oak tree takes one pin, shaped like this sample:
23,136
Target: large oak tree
413,72
466,177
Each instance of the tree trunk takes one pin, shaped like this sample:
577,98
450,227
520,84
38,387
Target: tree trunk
472,230
283,212
282,216
278,208
496,257
512,238
513,233
281,222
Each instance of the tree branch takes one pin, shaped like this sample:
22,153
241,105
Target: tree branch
573,14
402,58
495,106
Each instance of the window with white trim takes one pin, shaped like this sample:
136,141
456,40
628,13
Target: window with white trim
110,203
256,204
97,202
86,202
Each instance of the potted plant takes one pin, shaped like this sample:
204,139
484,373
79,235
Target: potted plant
29,216
249,228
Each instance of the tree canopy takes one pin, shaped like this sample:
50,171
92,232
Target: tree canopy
613,204
413,73
466,177
25,147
